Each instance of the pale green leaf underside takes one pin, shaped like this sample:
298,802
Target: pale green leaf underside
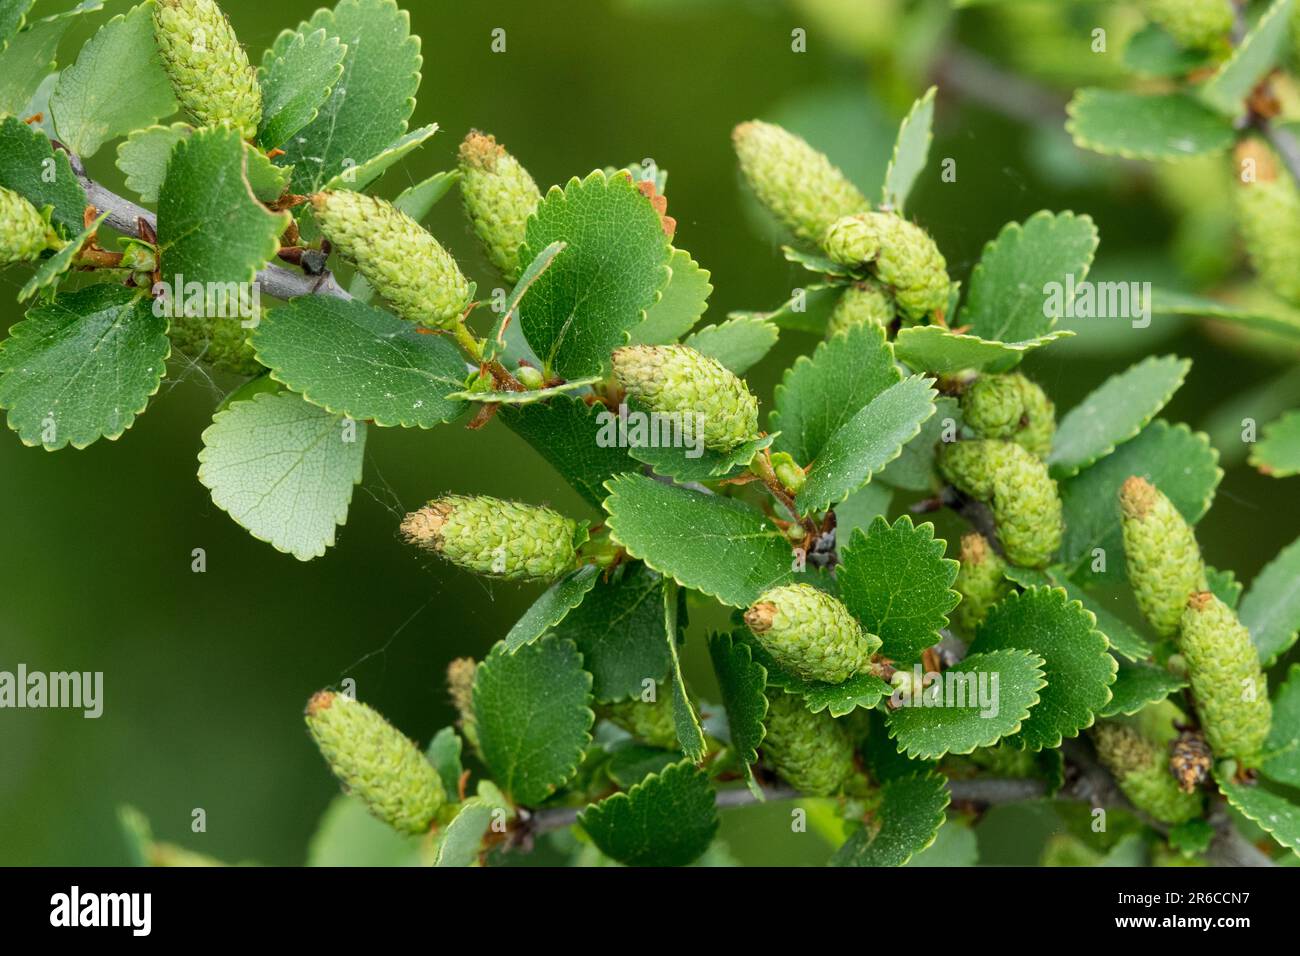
550,609
1278,318
461,840
929,348
807,310
527,397
349,835
738,343
686,720
1257,53
741,680
1271,608
357,177
284,470
142,157
683,302
1150,126
911,151
498,340
27,61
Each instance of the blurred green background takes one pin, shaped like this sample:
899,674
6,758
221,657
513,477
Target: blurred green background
206,674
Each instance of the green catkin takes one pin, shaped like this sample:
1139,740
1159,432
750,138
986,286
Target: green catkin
811,752
405,264
1010,407
1198,24
208,69
1141,769
798,184
1003,760
677,380
375,762
503,539
902,254
1164,562
863,303
221,342
810,633
460,688
24,233
648,721
1228,685
980,582
1025,504
499,197
1268,215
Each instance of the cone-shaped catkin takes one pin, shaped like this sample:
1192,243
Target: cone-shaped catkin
460,688
651,722
863,303
499,197
1010,407
1141,768
979,582
810,633
1198,24
798,184
811,752
503,539
903,255
375,762
1164,562
1268,215
208,69
677,380
24,233
1228,685
1023,497
405,264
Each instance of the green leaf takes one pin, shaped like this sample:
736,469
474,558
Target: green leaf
51,270
683,302
1078,668
631,762
615,265
267,180
859,509
533,712
415,201
821,392
297,75
1178,461
1137,685
1153,52
863,690
348,835
929,348
1271,608
496,342
81,367
29,58
1274,814
461,841
741,681
211,229
807,310
1283,746
143,157
668,819
619,628
737,343
911,151
1276,318
897,583
1114,413
914,469
1124,639
30,166
816,262
1278,451
527,397
959,715
907,821
361,175
1150,126
690,460
954,845
867,442
690,735
1012,285
358,360
444,752
116,85
682,534
550,609
1224,585
566,432
283,470
1257,53
369,106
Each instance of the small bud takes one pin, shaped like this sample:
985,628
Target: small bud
901,253
1010,407
24,233
979,582
798,184
530,377
139,256
1268,215
1139,767
649,722
1164,562
863,303
375,762
1025,503
405,264
788,472
676,379
1196,24
810,633
499,197
208,69
502,539
1228,685
460,688
811,752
